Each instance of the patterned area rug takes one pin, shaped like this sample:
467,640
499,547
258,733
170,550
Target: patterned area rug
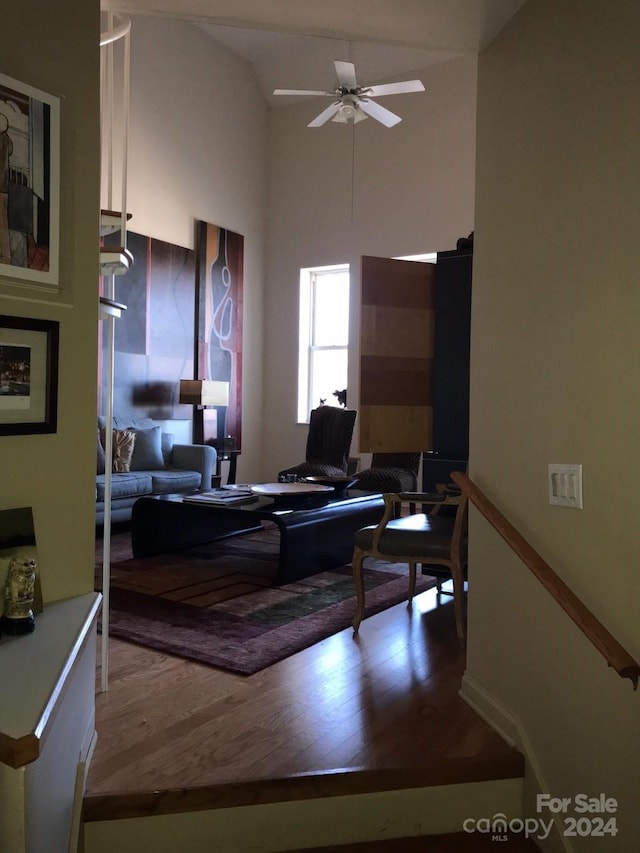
217,604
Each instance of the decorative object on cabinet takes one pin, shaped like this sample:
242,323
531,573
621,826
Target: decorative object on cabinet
29,183
28,375
19,594
18,546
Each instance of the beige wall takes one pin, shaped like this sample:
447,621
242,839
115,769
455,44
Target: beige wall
413,192
55,474
555,377
198,148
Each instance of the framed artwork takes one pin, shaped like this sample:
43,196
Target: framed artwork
28,375
29,183
219,297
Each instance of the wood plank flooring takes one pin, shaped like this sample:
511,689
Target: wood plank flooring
384,702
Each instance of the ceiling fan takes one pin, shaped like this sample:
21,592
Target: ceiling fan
353,100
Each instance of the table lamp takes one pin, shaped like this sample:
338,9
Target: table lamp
210,399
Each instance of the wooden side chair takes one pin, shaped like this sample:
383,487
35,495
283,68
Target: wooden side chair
432,538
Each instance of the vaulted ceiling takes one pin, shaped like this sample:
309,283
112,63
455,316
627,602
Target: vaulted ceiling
292,43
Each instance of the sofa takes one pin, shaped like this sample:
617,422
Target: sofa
150,458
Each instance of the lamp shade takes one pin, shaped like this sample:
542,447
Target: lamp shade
204,392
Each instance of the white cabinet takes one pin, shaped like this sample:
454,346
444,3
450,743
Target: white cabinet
47,725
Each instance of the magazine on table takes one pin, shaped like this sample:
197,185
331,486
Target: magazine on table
221,497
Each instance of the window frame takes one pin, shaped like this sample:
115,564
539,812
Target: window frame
307,330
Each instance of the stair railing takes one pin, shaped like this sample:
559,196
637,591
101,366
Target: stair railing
117,34
614,653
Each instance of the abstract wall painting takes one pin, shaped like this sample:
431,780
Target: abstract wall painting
219,295
154,338
29,183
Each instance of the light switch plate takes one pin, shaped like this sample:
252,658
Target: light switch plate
565,485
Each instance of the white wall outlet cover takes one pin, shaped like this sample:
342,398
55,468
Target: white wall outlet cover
565,485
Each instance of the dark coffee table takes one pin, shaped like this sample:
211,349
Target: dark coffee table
316,532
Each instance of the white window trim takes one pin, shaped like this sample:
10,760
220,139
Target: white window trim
305,344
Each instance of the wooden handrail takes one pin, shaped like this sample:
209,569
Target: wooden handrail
615,654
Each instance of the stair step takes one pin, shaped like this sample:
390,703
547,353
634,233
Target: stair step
341,806
111,221
454,842
115,261
98,807
111,308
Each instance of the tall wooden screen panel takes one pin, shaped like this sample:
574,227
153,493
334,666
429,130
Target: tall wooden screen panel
396,356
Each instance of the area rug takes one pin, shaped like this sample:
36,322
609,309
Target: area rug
218,605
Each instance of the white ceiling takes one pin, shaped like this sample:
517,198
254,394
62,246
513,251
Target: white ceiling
285,61
291,44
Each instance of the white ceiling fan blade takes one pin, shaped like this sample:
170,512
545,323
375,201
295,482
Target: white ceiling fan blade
395,88
325,115
382,114
346,72
302,92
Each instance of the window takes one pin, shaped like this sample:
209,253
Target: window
324,336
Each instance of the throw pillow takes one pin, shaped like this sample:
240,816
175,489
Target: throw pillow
147,451
167,447
123,443
100,456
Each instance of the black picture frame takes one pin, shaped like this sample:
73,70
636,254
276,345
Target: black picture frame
28,375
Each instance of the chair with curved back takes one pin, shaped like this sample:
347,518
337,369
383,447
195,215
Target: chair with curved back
328,443
430,538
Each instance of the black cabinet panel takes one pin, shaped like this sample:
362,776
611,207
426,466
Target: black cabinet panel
452,328
437,469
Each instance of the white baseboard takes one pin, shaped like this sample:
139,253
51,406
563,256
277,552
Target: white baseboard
86,754
89,741
510,729
76,813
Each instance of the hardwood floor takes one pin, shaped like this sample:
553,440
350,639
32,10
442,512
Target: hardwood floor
384,702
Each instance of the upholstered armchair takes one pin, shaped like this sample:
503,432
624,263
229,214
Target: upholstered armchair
390,472
436,540
328,443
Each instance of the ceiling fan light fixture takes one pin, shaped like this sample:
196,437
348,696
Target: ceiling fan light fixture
349,112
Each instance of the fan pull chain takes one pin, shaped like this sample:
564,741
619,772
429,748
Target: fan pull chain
353,166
